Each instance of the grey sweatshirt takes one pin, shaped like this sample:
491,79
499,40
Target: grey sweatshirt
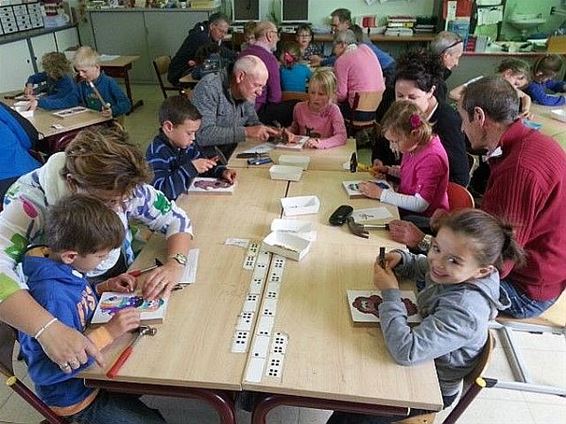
454,327
223,117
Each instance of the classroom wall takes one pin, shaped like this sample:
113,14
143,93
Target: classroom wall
508,32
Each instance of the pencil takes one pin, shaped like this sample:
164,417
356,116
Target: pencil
382,257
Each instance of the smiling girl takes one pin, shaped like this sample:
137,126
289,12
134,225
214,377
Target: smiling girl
319,115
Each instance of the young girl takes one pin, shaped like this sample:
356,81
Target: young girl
544,72
424,167
304,36
319,116
461,296
57,78
517,72
294,75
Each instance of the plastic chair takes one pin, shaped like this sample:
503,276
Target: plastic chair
7,342
161,66
474,382
459,197
366,102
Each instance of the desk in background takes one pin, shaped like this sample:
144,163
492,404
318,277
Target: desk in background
550,126
320,160
119,68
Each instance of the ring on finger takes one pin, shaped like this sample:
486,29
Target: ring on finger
64,366
74,363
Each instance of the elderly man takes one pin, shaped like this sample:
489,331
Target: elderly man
212,31
357,69
268,103
449,47
527,187
226,103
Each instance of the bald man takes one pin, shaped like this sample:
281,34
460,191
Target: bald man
226,102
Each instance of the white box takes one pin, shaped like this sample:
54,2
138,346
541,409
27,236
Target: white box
282,172
286,244
296,227
295,160
300,205
559,114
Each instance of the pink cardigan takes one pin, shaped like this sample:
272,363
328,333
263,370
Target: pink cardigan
329,123
357,70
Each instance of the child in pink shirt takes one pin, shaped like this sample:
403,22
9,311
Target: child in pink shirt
319,116
423,172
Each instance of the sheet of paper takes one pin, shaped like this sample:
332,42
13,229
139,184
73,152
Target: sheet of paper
190,272
108,57
260,148
371,214
237,242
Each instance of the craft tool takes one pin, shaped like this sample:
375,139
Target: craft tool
142,331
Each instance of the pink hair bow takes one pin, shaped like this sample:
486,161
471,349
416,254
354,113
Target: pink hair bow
415,121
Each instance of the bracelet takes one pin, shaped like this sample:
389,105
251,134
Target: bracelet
42,329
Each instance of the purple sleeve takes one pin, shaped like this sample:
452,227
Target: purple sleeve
274,83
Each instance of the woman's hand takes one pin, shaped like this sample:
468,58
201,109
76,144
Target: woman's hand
67,347
123,283
405,232
383,278
127,319
229,175
161,281
312,143
371,190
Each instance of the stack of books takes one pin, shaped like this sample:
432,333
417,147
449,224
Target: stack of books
400,26
425,24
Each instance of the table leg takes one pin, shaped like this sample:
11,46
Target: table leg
271,401
221,401
129,91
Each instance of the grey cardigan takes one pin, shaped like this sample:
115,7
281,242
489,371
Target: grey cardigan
223,117
454,327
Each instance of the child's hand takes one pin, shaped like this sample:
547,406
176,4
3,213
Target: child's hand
379,171
123,283
312,143
315,60
107,112
33,104
202,165
290,136
384,279
127,319
371,190
392,259
526,114
229,175
28,90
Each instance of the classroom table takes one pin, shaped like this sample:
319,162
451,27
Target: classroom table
550,126
328,360
119,68
331,363
52,137
187,81
191,354
320,159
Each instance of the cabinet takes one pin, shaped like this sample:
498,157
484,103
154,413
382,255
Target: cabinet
20,54
16,65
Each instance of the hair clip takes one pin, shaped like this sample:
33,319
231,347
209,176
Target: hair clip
415,121
288,58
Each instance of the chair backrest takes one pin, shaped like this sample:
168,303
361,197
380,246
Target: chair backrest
483,361
161,66
459,197
556,44
294,95
7,342
367,101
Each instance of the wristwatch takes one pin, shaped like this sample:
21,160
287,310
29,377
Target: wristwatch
425,243
180,258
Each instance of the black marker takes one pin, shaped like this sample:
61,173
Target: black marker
382,257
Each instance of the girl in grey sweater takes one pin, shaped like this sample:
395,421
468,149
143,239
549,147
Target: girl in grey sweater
460,298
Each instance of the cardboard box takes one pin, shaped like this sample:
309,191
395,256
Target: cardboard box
286,244
282,172
296,227
295,160
300,205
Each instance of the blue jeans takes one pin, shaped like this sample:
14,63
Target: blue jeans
349,418
117,408
521,306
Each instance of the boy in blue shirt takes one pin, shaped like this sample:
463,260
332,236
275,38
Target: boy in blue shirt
543,89
81,232
55,80
172,154
93,83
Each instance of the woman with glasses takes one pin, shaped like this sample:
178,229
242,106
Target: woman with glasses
449,47
304,37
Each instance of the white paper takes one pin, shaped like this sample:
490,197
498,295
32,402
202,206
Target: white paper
108,57
260,148
190,272
237,242
371,214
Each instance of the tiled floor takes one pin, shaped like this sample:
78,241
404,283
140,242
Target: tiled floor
545,354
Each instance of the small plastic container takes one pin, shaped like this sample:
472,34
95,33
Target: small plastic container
282,172
300,205
559,114
295,160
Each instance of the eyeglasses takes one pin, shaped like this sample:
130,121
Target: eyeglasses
455,43
273,31
304,36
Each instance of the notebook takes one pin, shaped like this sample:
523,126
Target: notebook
151,311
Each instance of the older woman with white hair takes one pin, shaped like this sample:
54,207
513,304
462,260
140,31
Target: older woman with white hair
449,47
357,70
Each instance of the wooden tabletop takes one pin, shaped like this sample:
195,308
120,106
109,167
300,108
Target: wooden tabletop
43,120
119,62
192,347
328,356
320,160
550,126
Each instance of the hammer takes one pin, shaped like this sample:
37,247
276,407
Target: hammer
361,229
144,330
